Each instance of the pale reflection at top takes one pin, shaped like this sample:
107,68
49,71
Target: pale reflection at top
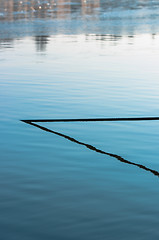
104,21
13,10
23,9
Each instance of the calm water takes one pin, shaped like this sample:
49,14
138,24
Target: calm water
79,59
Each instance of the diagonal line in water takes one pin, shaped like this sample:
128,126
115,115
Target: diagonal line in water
119,158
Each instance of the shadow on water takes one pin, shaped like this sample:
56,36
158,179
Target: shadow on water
119,158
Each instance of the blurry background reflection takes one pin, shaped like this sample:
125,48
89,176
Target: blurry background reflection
103,20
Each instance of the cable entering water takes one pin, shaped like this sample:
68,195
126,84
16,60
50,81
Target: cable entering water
119,158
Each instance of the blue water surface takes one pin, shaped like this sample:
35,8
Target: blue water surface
79,59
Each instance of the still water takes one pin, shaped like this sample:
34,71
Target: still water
79,59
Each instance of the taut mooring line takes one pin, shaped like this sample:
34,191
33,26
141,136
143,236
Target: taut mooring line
94,119
119,158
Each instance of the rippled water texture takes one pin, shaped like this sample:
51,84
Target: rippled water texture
79,180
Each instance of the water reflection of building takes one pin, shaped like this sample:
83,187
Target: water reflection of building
107,29
17,9
41,43
88,7
13,9
6,43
